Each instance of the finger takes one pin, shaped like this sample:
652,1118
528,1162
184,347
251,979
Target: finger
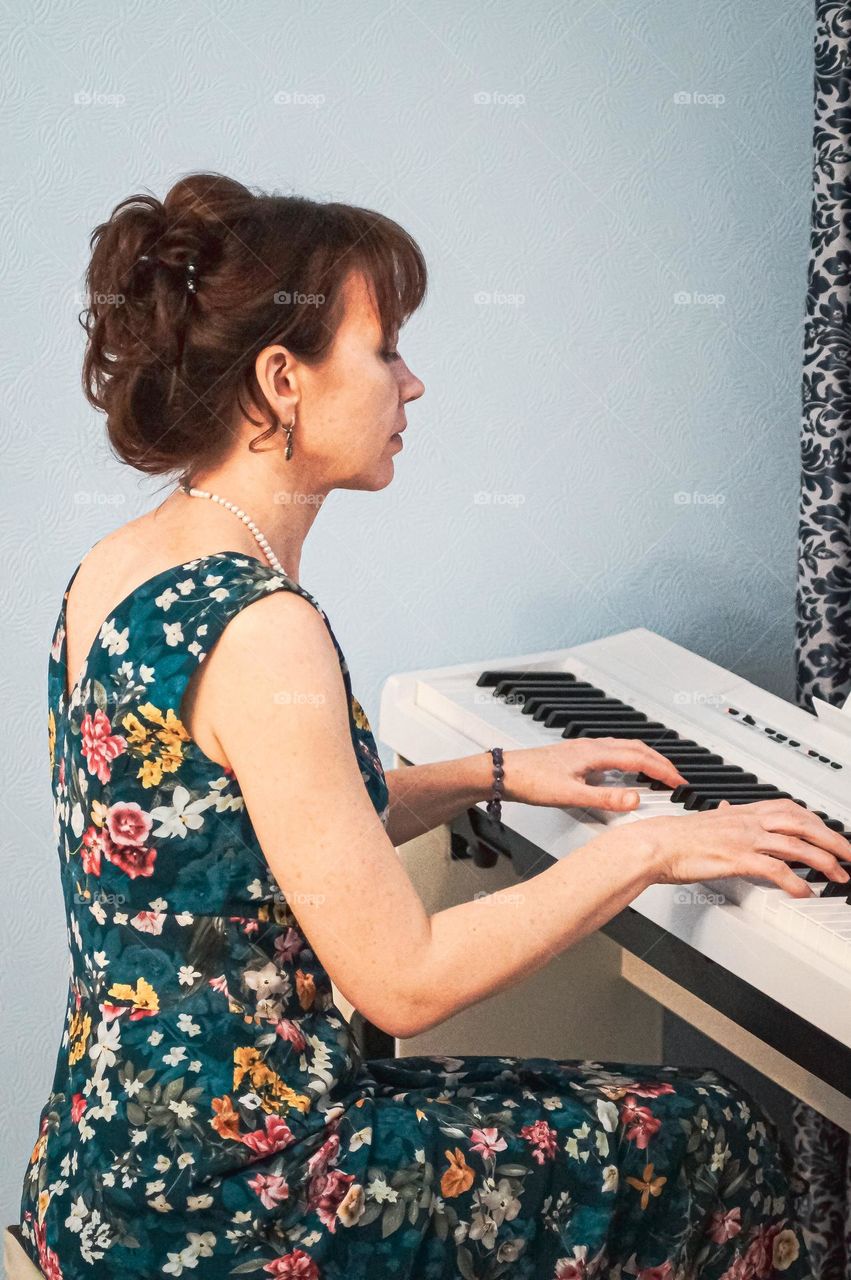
768,868
637,757
613,798
800,851
792,819
657,765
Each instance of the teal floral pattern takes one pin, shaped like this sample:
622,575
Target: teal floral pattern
211,1114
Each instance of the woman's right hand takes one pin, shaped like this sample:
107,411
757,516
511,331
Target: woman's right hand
747,840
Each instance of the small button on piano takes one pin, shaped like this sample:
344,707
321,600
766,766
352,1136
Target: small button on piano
765,973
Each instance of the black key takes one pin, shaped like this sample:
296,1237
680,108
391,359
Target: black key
525,688
688,755
714,801
545,708
702,771
834,890
561,697
724,787
547,713
722,771
643,733
816,876
706,774
489,678
691,759
600,720
699,800
656,784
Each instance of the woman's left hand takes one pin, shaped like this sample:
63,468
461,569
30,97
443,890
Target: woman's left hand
558,774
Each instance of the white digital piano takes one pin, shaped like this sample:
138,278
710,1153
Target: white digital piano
764,973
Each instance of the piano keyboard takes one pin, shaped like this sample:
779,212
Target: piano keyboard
729,738
576,708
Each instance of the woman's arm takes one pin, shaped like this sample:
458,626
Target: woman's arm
318,830
424,796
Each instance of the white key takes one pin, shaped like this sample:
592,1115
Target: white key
748,892
804,919
836,945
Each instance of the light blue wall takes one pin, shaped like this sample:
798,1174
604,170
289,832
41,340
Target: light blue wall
582,198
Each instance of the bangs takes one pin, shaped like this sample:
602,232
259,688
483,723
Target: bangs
392,264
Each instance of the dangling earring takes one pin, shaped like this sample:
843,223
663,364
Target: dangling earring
289,450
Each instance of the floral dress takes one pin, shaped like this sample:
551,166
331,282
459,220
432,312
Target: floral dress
211,1114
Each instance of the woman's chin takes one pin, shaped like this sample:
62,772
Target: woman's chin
378,478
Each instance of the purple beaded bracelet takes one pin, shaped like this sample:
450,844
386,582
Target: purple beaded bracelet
494,805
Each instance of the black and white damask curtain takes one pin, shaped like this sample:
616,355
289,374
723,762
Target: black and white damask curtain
823,626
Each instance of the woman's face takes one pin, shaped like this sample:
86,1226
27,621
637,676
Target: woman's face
350,407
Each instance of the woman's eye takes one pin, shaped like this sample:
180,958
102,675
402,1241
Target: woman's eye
390,355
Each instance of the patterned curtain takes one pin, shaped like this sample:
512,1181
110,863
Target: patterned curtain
823,629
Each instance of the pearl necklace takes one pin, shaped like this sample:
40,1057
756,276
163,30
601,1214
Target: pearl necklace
262,540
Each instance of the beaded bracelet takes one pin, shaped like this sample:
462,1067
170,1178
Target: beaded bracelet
494,805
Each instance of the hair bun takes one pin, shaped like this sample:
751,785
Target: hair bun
148,262
171,365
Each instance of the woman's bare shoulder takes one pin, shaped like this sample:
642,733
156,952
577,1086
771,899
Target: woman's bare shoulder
121,550
279,631
110,570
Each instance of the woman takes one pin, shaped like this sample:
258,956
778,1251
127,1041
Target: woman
226,840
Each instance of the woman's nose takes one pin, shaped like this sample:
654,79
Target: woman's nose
414,387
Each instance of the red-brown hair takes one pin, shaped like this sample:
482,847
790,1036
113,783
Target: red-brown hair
169,367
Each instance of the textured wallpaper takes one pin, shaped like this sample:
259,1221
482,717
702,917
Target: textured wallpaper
613,199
